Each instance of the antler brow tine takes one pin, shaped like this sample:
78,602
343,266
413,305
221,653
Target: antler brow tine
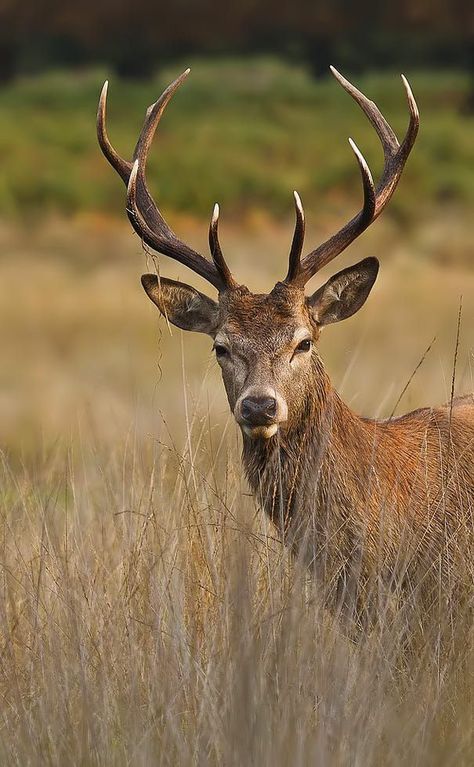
216,252
298,240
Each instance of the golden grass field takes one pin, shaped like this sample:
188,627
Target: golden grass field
149,613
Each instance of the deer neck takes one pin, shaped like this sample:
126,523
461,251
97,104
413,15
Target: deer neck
316,463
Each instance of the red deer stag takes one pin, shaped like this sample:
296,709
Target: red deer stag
350,495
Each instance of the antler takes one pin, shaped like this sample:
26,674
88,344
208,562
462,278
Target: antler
298,239
142,210
375,199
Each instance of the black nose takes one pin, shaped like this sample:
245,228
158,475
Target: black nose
259,411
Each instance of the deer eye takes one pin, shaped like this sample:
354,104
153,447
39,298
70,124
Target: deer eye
303,346
221,351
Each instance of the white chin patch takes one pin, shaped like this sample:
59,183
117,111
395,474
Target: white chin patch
261,432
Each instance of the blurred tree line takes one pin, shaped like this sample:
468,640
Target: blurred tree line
137,36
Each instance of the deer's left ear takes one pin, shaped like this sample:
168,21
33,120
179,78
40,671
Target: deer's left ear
182,305
344,293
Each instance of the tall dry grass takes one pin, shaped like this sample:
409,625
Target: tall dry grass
149,614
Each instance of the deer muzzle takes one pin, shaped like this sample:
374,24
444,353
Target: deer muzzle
260,414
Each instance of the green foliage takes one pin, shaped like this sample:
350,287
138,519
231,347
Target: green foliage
242,131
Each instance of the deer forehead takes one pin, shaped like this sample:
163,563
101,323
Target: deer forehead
264,321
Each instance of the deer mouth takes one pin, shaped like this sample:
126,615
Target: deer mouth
260,432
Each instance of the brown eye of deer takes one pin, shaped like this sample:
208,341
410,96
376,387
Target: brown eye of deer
220,350
304,346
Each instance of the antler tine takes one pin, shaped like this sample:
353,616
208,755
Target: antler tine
384,131
168,245
153,116
142,210
123,167
216,252
414,123
375,199
298,240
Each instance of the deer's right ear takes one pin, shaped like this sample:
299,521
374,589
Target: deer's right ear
182,305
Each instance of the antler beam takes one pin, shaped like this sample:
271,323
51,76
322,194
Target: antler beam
375,199
142,210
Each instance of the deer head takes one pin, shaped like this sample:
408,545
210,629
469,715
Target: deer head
265,344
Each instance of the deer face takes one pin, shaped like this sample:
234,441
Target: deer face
263,347
266,344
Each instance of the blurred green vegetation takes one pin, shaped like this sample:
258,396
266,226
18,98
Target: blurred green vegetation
243,131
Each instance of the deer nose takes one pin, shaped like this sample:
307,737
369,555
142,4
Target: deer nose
258,411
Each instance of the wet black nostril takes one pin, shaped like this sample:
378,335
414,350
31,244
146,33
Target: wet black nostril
258,410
